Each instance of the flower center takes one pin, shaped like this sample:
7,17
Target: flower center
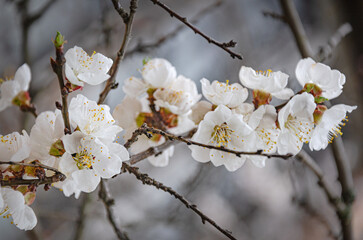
96,117
221,135
84,159
302,128
265,73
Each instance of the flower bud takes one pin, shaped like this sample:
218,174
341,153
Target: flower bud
318,113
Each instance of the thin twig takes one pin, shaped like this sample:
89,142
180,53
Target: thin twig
274,15
152,151
145,179
146,130
104,195
58,176
144,47
327,50
128,20
58,68
225,45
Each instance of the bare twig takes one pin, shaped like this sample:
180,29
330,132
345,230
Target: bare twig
145,179
146,130
58,68
327,50
109,202
274,15
342,162
128,20
152,151
82,216
225,45
144,47
58,176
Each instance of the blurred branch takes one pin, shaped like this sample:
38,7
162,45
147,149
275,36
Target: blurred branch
342,162
274,15
82,216
128,20
294,22
225,45
33,235
108,201
144,47
327,50
27,20
145,179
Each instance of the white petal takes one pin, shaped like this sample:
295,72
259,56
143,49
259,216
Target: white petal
86,180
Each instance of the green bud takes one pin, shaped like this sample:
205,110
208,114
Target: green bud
59,40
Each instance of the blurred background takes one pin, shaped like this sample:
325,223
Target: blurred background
280,201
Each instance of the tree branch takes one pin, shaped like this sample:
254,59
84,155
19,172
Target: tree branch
58,176
225,45
293,20
110,84
146,130
144,47
35,16
145,179
104,195
327,50
274,15
58,69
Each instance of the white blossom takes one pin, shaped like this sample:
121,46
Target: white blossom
12,204
158,73
92,119
199,110
222,128
81,68
296,123
134,86
329,126
10,89
14,147
87,160
263,122
45,138
179,97
267,81
219,93
330,81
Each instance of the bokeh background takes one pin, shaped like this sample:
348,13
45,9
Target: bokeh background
280,201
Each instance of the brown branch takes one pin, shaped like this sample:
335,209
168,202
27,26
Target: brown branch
110,84
104,195
143,47
342,162
58,68
152,151
327,50
58,176
145,179
225,45
145,130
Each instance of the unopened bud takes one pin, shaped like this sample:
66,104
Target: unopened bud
318,113
261,98
59,40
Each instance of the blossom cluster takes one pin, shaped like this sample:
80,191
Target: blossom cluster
162,99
